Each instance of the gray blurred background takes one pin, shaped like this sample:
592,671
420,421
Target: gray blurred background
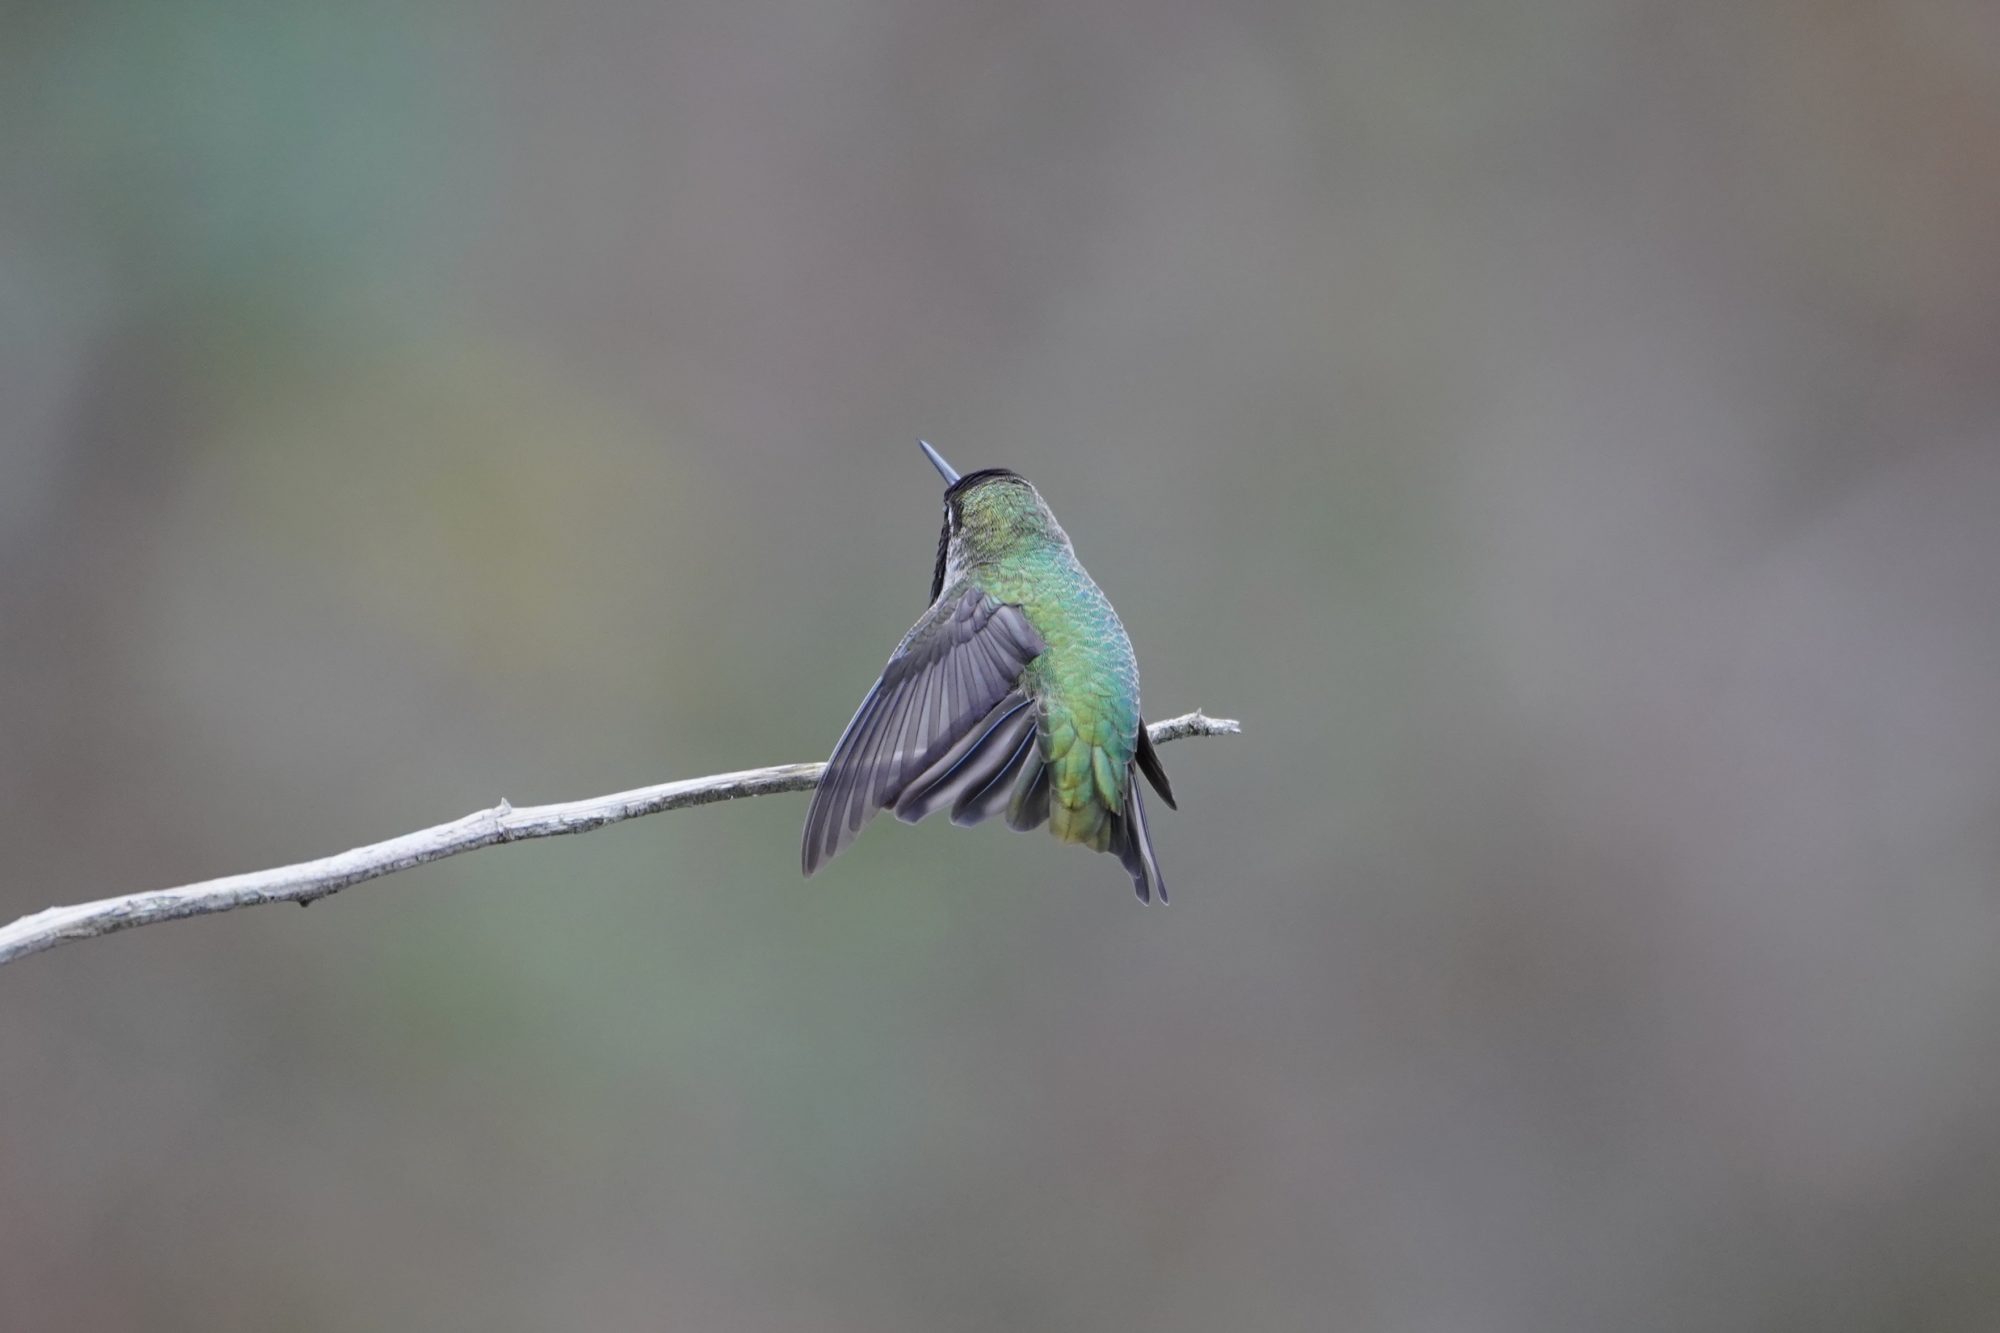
1567,434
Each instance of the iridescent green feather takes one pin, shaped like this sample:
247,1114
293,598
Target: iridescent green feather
1016,691
1086,682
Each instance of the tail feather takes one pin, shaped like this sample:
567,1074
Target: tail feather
1155,771
1133,842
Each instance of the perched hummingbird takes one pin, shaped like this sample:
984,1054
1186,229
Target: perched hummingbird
1016,693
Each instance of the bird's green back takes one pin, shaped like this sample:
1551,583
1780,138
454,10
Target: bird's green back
1087,682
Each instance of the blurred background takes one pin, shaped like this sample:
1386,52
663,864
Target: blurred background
1567,434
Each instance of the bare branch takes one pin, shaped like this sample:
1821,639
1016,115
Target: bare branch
309,881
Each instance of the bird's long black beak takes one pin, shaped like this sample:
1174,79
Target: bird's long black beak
945,469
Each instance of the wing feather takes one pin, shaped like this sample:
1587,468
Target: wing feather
951,674
976,806
1029,807
970,765
831,806
828,800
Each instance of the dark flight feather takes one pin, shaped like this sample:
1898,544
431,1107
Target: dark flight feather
967,767
1029,808
1149,763
952,672
1133,842
977,806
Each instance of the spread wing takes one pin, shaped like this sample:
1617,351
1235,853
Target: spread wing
944,723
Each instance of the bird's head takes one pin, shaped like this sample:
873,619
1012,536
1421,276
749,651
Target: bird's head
988,514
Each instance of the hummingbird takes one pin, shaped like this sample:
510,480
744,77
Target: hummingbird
1015,694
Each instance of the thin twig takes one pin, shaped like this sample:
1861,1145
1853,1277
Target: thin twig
309,881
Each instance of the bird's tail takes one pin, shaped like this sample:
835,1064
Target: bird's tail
1133,842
